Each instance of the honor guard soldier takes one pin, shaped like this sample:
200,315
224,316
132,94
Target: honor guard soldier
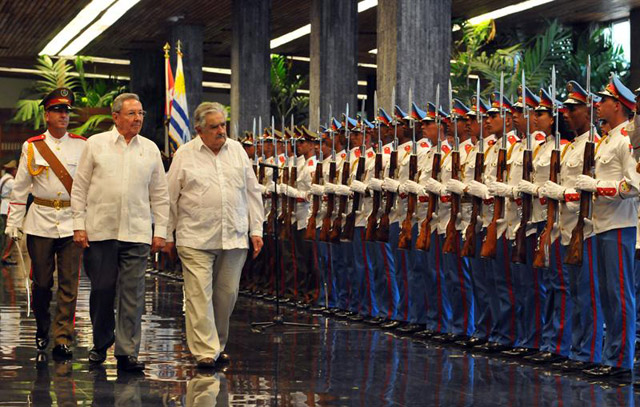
47,167
248,144
615,218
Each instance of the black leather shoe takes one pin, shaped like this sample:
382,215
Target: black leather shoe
41,360
518,351
223,358
572,365
62,352
491,347
544,358
604,371
471,342
373,320
424,334
341,314
356,318
390,324
42,342
317,309
129,364
409,329
100,355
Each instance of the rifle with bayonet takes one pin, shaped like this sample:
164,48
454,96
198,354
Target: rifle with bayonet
293,178
404,241
452,237
575,249
372,220
325,231
273,212
285,217
490,244
336,228
350,222
310,233
519,253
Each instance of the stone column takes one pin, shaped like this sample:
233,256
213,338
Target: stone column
147,71
250,63
191,39
634,21
333,67
414,50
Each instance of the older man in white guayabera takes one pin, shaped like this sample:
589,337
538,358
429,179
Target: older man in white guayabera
216,206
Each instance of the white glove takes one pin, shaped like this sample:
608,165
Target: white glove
553,191
586,183
282,189
358,186
455,187
13,232
343,190
390,184
291,192
411,187
329,188
375,184
478,190
501,189
573,206
434,186
316,189
263,189
527,187
272,188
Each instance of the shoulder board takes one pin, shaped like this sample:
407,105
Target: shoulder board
343,155
492,142
370,154
424,144
596,139
512,139
540,137
624,132
358,153
281,158
564,141
468,148
36,138
387,150
311,163
446,148
407,148
77,136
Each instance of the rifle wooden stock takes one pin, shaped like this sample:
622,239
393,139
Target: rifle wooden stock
273,213
519,253
404,241
574,251
424,236
293,202
383,226
452,237
336,228
325,231
261,174
490,244
469,247
372,220
284,220
350,221
310,233
540,257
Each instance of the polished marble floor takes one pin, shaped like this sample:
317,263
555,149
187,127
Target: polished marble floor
338,364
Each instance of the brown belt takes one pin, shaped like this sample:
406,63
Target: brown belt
52,203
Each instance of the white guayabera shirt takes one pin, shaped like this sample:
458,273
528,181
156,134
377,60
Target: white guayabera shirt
216,200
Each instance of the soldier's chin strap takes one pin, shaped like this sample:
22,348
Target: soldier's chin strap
26,277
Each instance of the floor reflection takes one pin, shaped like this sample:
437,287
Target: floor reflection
339,364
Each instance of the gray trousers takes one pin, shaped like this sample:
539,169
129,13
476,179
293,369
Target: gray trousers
111,265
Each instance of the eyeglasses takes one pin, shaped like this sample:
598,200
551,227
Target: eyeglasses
131,115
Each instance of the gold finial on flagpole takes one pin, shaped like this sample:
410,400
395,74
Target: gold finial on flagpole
166,49
179,48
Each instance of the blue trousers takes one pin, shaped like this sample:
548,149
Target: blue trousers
417,281
530,293
616,250
402,273
459,291
438,305
384,285
558,304
503,301
327,281
362,275
482,290
586,318
342,258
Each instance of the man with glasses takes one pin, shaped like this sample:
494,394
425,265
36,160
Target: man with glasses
47,168
120,184
216,203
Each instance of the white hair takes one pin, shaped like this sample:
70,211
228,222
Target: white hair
206,108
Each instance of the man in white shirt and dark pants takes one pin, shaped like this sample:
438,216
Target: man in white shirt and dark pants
216,202
6,186
120,182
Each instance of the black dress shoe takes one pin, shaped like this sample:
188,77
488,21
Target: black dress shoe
373,320
42,342
317,309
41,360
572,365
409,329
604,371
471,342
390,324
62,352
518,351
341,314
223,358
99,355
356,318
206,363
129,364
424,334
491,347
544,358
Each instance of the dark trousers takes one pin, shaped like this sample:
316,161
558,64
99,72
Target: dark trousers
45,254
110,264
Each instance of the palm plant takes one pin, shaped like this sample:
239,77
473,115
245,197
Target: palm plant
285,100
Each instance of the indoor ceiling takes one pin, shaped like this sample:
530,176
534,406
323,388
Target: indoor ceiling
27,26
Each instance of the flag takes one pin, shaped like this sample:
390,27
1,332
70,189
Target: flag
179,116
168,96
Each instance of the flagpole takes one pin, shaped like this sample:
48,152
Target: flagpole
167,97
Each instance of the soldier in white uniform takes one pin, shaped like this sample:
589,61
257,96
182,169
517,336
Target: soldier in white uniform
47,167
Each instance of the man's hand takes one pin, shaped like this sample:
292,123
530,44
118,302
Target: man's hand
14,233
80,238
157,244
256,242
170,250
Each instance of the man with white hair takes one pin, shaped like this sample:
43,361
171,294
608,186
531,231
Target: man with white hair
216,202
120,182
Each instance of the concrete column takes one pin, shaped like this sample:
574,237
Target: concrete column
250,63
414,50
191,39
147,71
333,67
635,48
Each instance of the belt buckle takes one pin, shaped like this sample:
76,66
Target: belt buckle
57,204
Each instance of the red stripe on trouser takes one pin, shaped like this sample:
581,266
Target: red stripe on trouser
463,291
563,299
594,307
512,297
387,273
622,299
295,268
405,285
438,283
366,269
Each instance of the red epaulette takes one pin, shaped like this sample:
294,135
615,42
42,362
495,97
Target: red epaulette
310,163
387,150
512,139
343,155
36,138
540,137
564,142
77,136
446,149
624,132
424,144
468,147
407,148
492,142
358,153
370,154
281,158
